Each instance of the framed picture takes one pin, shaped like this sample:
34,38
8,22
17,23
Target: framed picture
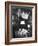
20,22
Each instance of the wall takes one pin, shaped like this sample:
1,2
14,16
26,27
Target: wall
2,23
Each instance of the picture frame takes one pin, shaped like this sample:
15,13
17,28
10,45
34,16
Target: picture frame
20,22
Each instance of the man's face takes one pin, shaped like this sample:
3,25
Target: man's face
24,15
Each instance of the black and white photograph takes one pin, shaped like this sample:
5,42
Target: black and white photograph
21,21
